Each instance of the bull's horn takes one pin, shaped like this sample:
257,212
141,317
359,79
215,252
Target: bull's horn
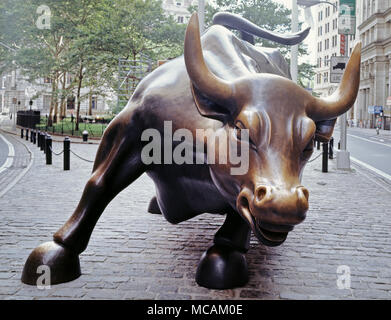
215,88
345,96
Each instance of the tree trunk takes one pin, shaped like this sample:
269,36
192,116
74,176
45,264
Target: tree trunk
90,106
55,108
50,118
62,103
78,96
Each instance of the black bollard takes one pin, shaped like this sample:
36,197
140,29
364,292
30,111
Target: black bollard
45,137
48,146
27,134
325,157
331,148
67,153
85,136
21,133
35,137
318,145
42,136
38,138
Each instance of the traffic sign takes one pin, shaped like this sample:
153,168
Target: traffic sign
337,68
388,101
347,17
375,109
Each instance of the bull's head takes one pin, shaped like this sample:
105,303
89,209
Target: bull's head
281,118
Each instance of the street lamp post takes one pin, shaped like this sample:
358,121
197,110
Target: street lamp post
295,48
201,15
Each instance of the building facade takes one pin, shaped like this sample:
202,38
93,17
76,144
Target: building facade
375,85
329,45
178,9
14,97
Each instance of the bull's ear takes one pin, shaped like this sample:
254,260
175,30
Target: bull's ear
324,130
210,109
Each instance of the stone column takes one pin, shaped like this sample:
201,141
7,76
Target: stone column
380,83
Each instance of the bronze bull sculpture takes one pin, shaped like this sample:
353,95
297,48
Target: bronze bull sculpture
228,85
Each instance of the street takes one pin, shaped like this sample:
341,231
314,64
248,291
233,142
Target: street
369,149
3,151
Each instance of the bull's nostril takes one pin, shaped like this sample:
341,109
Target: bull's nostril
260,193
244,202
303,192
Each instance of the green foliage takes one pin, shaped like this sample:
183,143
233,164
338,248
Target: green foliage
86,38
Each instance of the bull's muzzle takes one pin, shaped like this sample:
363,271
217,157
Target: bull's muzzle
272,211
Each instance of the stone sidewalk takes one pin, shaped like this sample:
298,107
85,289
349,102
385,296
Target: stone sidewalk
136,255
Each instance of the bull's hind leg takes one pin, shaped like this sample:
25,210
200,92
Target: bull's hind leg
117,164
154,206
224,266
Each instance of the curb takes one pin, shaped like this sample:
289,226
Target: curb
24,171
94,140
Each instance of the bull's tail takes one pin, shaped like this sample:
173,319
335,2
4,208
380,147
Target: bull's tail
249,29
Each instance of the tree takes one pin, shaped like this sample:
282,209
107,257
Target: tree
85,40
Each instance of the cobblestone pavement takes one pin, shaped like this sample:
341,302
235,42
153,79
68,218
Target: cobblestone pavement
136,255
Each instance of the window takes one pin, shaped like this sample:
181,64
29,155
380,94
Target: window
320,15
326,61
319,63
326,77
334,41
178,3
71,103
94,102
47,80
3,82
318,78
180,19
326,44
327,28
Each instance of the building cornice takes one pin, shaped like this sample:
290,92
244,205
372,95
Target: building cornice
372,18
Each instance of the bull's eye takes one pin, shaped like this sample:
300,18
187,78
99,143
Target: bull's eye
238,134
308,149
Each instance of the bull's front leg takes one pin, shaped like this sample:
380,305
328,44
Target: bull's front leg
117,164
224,265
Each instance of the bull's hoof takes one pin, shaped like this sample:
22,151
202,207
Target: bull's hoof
62,263
222,267
154,207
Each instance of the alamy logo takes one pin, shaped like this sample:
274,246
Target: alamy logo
43,21
219,147
43,281
343,279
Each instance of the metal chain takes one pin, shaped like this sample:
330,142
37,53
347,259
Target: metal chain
315,157
82,157
57,154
